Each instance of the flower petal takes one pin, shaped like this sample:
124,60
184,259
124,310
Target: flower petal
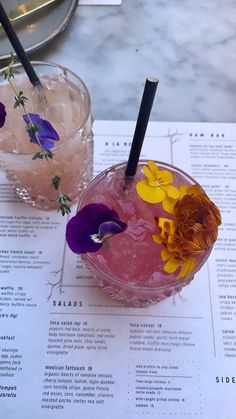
86,223
46,135
149,175
182,190
194,190
172,264
149,193
168,204
110,228
3,114
77,237
165,254
171,191
153,167
165,177
167,224
45,143
187,268
48,131
157,238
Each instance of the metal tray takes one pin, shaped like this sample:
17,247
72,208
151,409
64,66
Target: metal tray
39,28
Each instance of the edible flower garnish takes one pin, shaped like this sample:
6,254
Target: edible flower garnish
46,133
157,187
3,115
91,226
193,230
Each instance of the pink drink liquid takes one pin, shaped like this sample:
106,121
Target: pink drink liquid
131,269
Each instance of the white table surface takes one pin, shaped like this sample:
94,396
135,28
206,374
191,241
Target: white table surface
189,45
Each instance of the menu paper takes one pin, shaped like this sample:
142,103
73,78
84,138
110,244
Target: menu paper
68,350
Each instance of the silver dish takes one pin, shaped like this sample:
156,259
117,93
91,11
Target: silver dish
39,28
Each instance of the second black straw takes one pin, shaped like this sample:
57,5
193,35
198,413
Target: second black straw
19,50
141,125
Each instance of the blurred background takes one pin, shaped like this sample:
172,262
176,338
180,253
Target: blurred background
189,45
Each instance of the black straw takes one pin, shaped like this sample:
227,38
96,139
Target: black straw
19,50
141,125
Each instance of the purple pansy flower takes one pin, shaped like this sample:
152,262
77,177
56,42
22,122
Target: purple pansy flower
3,114
86,231
46,133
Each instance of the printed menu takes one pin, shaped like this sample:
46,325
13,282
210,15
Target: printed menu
68,350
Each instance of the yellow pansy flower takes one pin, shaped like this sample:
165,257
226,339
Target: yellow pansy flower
157,187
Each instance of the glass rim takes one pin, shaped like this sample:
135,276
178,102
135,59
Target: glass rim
147,288
87,115
132,286
141,161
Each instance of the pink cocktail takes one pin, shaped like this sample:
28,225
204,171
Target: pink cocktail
131,267
63,100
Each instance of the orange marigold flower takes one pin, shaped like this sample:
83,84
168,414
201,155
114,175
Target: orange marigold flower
197,219
193,230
